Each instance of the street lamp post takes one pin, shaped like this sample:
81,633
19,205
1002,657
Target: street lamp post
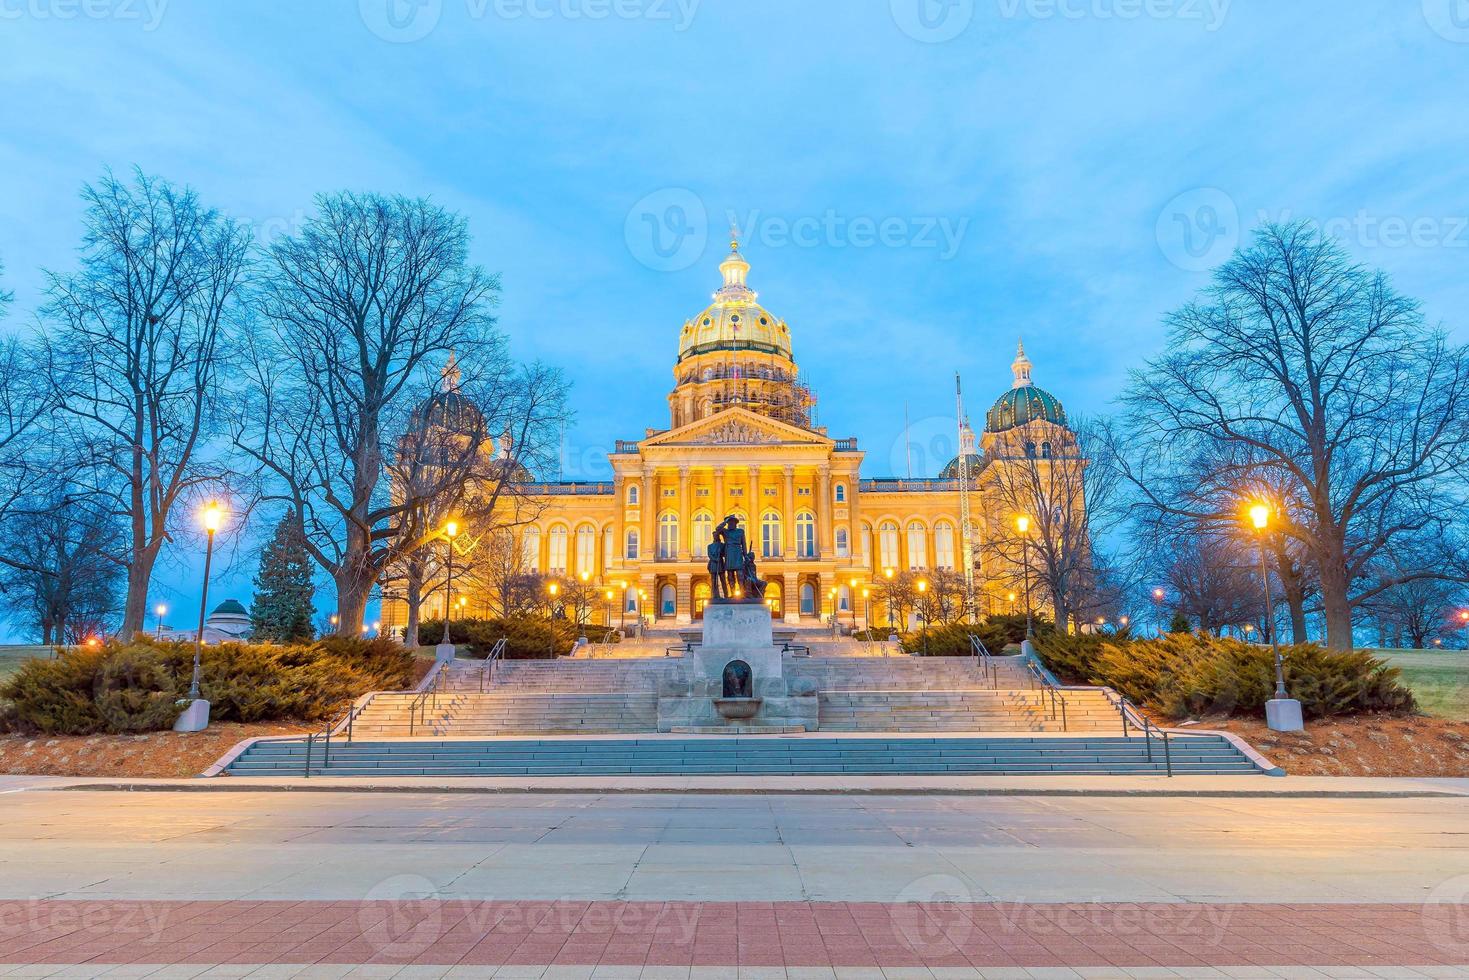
1464,626
1282,713
160,611
1022,524
444,652
551,589
852,598
1158,594
923,612
195,716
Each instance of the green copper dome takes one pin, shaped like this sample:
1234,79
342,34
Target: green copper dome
1024,402
1018,406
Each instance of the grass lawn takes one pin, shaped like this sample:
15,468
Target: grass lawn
11,657
1439,679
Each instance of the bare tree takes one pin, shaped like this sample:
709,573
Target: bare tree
135,341
361,313
58,575
26,402
1064,495
1300,371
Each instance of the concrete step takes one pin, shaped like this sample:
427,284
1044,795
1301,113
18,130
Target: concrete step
721,754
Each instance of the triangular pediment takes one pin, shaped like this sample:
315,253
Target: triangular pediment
737,427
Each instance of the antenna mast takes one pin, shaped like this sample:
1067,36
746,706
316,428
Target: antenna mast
966,522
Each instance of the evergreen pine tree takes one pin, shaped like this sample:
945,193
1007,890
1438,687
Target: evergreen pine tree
1180,624
281,611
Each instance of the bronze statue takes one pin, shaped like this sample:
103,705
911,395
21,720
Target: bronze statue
736,575
716,570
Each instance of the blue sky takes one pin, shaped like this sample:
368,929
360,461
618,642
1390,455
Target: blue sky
919,182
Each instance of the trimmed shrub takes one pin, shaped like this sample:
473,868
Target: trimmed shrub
1184,675
527,637
134,687
996,633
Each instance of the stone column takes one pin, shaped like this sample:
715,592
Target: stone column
825,601
684,530
685,598
788,509
619,522
648,542
854,521
752,532
719,505
822,493
791,597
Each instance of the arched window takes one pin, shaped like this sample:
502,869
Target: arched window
841,493
586,549
609,546
917,545
1030,450
770,534
701,534
631,551
530,548
667,601
844,544
887,544
556,564
805,534
808,599
943,545
866,543
667,535
1045,450
844,598
632,494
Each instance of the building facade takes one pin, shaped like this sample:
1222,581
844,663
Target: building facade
740,441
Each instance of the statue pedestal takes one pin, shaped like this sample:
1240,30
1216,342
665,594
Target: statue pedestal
737,638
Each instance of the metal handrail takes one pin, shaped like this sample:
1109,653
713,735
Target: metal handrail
341,722
985,659
1141,722
795,649
487,669
1050,691
420,704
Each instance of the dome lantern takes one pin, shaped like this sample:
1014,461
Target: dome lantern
1021,367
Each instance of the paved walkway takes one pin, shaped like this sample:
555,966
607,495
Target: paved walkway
330,884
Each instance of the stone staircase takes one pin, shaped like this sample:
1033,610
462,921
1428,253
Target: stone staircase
857,694
755,755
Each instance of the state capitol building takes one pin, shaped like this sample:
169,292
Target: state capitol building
740,441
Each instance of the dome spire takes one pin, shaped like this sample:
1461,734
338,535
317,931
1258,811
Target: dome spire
1021,367
734,267
449,381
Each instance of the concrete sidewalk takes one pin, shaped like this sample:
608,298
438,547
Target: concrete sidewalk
1306,787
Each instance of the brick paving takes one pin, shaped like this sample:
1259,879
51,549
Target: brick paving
787,935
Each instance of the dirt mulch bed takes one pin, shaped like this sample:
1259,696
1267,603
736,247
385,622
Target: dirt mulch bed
163,754
1362,745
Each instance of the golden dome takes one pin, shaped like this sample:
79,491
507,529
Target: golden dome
735,322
